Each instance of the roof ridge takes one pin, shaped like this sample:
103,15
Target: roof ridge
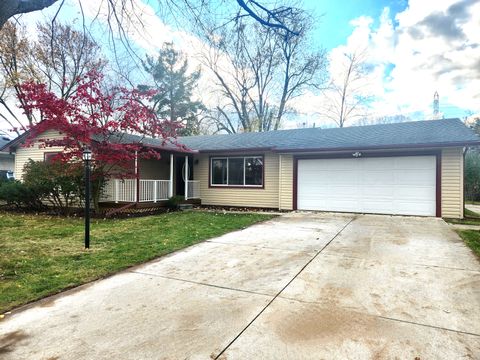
324,129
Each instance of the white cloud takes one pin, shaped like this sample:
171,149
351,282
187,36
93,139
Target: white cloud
426,49
429,49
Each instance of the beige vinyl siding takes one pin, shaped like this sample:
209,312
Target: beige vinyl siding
34,152
452,183
250,197
285,186
153,169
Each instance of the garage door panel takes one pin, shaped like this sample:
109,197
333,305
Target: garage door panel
379,191
341,191
378,206
375,163
414,177
377,177
341,205
415,193
337,193
415,208
390,185
330,164
337,205
329,177
330,191
414,162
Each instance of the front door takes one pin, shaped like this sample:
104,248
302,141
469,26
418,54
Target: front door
180,173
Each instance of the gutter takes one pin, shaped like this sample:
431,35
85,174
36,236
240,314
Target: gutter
179,150
352,148
381,147
252,149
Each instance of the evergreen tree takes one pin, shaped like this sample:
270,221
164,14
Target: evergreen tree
174,86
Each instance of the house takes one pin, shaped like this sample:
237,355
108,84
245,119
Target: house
412,168
7,160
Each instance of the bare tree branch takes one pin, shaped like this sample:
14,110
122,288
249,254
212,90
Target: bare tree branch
260,70
345,98
9,8
271,18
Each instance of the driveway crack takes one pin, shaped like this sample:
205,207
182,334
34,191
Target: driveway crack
282,289
201,283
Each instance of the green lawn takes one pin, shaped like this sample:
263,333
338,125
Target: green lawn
470,213
470,218
472,239
42,255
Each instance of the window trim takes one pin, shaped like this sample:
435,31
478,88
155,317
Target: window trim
226,186
48,154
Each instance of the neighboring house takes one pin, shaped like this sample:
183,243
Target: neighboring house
412,168
7,160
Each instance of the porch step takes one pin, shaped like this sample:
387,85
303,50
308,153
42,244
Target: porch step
185,206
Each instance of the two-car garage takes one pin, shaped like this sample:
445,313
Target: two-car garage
403,185
408,168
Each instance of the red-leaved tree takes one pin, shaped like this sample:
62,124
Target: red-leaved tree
96,119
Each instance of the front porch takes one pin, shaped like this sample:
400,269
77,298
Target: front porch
150,184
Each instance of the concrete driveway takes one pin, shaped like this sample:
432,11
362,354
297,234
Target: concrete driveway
301,286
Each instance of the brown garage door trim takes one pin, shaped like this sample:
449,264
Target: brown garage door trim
436,153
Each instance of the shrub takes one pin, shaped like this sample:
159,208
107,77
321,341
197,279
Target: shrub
20,195
172,203
56,183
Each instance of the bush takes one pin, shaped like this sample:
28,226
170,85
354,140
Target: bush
57,184
172,203
20,195
472,175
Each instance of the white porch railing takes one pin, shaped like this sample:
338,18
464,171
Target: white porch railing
117,190
193,189
153,190
120,190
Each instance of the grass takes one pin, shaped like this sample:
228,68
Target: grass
470,213
42,255
470,218
472,239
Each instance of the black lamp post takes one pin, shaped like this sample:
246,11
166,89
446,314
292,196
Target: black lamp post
87,158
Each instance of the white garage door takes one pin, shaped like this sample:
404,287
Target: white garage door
390,185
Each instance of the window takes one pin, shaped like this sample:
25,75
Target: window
219,171
237,171
48,157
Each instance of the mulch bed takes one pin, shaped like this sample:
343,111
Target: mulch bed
238,209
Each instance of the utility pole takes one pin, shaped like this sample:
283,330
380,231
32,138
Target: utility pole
436,106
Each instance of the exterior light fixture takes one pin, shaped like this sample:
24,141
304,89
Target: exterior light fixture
87,155
87,159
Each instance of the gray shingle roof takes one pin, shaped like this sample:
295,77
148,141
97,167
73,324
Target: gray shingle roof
124,138
399,135
3,141
434,133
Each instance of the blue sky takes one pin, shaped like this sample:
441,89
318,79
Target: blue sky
417,46
334,19
335,27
